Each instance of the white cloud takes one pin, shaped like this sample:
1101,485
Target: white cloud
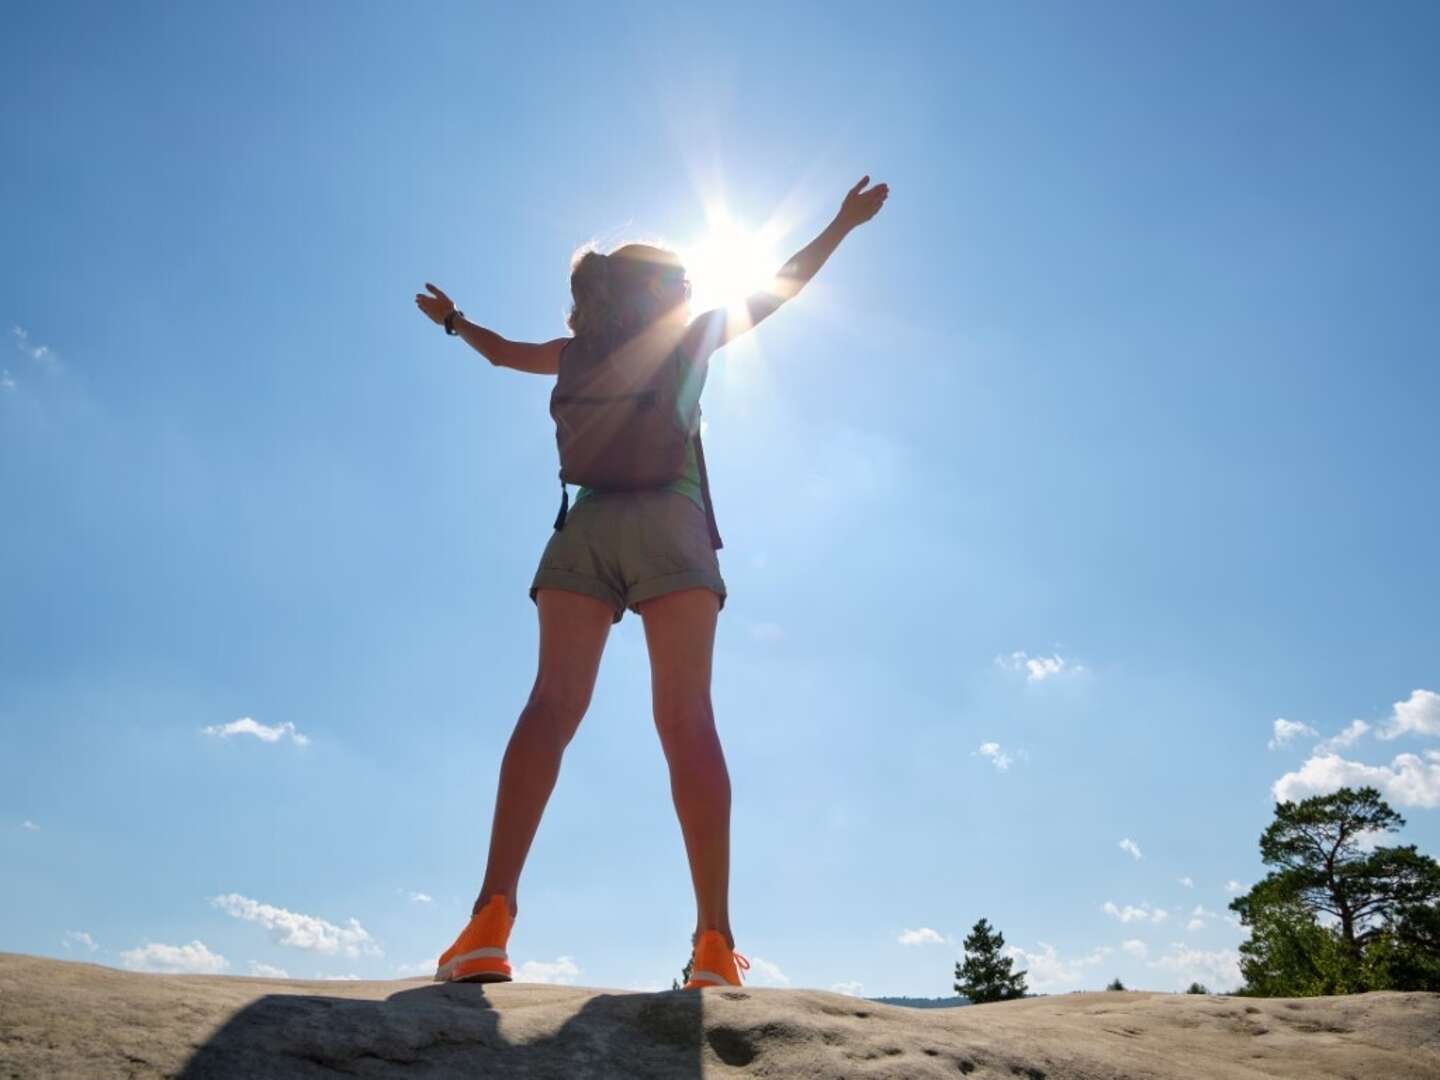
1233,886
29,826
764,973
1187,881
40,354
79,937
1038,668
1287,731
1198,917
422,898
1408,780
247,726
563,971
1130,847
1419,714
339,978
1352,732
1219,970
419,967
194,958
1001,760
922,936
767,632
7,383
1135,947
851,989
1047,971
268,971
300,931
1131,913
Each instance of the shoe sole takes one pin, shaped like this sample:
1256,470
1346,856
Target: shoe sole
479,965
701,979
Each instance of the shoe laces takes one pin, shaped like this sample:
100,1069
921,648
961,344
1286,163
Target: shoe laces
741,963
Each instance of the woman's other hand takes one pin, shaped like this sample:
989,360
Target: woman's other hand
860,206
437,306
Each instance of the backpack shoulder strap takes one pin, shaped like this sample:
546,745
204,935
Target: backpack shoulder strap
715,540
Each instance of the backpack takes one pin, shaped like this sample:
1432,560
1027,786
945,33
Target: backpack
615,422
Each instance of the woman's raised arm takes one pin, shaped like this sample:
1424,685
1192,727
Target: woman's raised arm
715,328
541,358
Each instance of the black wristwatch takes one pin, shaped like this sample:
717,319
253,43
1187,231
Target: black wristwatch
450,321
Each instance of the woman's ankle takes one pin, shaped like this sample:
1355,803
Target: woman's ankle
486,896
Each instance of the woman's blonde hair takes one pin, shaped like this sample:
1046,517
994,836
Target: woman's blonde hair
611,293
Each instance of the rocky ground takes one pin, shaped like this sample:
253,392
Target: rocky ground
59,1018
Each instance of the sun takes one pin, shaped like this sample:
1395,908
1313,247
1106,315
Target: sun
729,263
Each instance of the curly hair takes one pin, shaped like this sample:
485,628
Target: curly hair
611,293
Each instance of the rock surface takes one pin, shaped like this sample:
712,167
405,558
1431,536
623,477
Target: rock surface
59,1018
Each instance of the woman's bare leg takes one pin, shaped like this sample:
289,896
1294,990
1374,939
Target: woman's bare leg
680,634
573,629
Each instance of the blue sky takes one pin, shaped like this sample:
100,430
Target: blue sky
1108,445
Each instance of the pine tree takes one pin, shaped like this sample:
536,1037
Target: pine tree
985,975
684,975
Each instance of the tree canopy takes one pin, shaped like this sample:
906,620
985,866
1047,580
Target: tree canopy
1340,912
985,974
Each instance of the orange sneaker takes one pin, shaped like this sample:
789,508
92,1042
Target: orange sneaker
478,954
714,963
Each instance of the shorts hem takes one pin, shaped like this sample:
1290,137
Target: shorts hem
552,578
686,579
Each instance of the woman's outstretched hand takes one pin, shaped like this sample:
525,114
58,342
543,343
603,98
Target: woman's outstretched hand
860,206
437,306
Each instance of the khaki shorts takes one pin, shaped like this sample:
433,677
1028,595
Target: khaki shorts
628,547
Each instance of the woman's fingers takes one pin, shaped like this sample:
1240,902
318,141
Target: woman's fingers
436,291
856,189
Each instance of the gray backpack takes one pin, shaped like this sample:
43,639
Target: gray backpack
615,422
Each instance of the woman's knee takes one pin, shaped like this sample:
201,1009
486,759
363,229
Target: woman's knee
678,715
554,711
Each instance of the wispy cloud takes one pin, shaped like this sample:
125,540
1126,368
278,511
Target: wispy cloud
194,958
7,381
1131,848
419,967
1187,881
1232,886
78,937
268,971
923,936
1419,714
767,632
1348,737
246,726
1198,915
1135,947
1039,668
300,931
1046,970
1218,969
1135,913
563,971
1409,779
765,973
422,898
851,989
39,354
998,757
1287,731
29,826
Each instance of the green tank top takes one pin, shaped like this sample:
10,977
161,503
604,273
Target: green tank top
686,406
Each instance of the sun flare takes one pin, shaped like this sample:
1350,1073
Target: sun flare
729,262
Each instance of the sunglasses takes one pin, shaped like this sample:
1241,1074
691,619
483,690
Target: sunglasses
676,277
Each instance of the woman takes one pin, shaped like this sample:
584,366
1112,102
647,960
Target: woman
652,551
